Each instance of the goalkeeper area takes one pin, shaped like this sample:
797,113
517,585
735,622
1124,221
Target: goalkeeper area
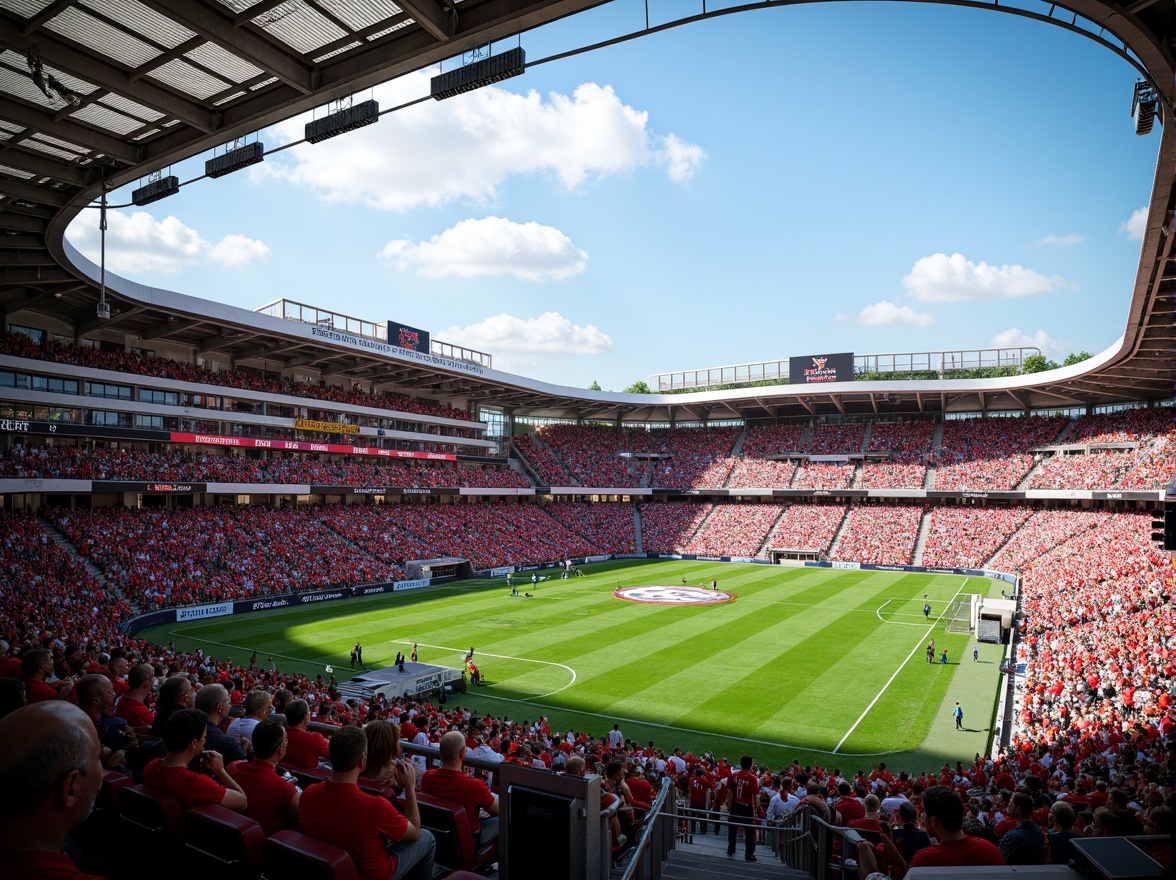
819,665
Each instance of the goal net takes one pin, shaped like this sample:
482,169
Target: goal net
961,614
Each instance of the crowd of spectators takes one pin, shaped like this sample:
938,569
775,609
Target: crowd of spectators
607,527
1123,426
667,528
761,440
809,527
967,537
594,454
835,438
699,457
1094,726
992,453
163,557
121,361
735,530
1098,648
100,463
1097,470
761,473
545,465
823,475
880,535
908,445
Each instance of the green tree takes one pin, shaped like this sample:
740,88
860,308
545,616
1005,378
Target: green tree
1073,358
1037,363
595,386
638,387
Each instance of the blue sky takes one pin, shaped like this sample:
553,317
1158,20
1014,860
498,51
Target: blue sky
867,177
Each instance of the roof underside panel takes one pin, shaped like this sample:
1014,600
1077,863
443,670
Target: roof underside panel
103,38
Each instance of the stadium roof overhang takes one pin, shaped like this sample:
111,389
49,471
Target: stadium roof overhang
135,85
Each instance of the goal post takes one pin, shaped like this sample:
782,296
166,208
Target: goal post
961,616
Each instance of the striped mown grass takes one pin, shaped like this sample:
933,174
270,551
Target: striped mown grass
824,666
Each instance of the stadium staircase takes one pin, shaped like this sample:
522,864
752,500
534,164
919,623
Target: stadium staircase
706,858
769,539
517,457
837,534
936,442
1024,482
921,541
737,449
67,545
859,468
685,541
866,434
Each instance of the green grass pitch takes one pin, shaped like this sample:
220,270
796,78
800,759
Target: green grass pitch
824,666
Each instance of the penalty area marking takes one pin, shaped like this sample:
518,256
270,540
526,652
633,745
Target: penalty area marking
901,666
503,657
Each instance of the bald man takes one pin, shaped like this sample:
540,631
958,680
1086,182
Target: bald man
49,753
451,783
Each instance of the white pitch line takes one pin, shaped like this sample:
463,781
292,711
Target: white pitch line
503,657
901,666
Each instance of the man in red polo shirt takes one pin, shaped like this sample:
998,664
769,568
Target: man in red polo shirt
742,790
132,705
184,736
304,747
451,783
945,822
383,843
273,800
37,667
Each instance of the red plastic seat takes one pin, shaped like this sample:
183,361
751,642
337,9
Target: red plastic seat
154,811
229,840
451,827
289,854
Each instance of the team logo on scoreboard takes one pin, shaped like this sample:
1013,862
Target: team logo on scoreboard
673,595
409,339
819,363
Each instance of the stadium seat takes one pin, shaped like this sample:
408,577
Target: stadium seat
156,812
306,778
289,854
455,842
229,842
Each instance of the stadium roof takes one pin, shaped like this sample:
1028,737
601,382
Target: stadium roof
104,92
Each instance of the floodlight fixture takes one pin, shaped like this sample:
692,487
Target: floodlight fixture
235,160
490,70
342,121
156,190
1143,107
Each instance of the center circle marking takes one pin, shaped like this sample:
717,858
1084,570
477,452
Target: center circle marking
654,595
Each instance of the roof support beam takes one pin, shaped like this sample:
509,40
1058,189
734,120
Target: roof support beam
38,120
42,195
430,16
241,42
167,328
81,65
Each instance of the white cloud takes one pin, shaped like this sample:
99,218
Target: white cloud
1061,240
551,332
1014,338
886,313
137,243
940,278
491,246
1135,225
467,146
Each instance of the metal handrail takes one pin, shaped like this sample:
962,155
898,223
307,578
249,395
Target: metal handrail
643,858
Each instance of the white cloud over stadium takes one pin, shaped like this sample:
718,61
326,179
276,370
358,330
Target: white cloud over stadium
137,243
489,247
467,147
1015,338
549,333
888,314
1135,225
940,278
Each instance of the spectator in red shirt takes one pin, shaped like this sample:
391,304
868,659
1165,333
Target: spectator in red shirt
132,705
184,737
383,843
50,769
848,806
945,823
273,800
304,747
37,667
742,791
450,782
